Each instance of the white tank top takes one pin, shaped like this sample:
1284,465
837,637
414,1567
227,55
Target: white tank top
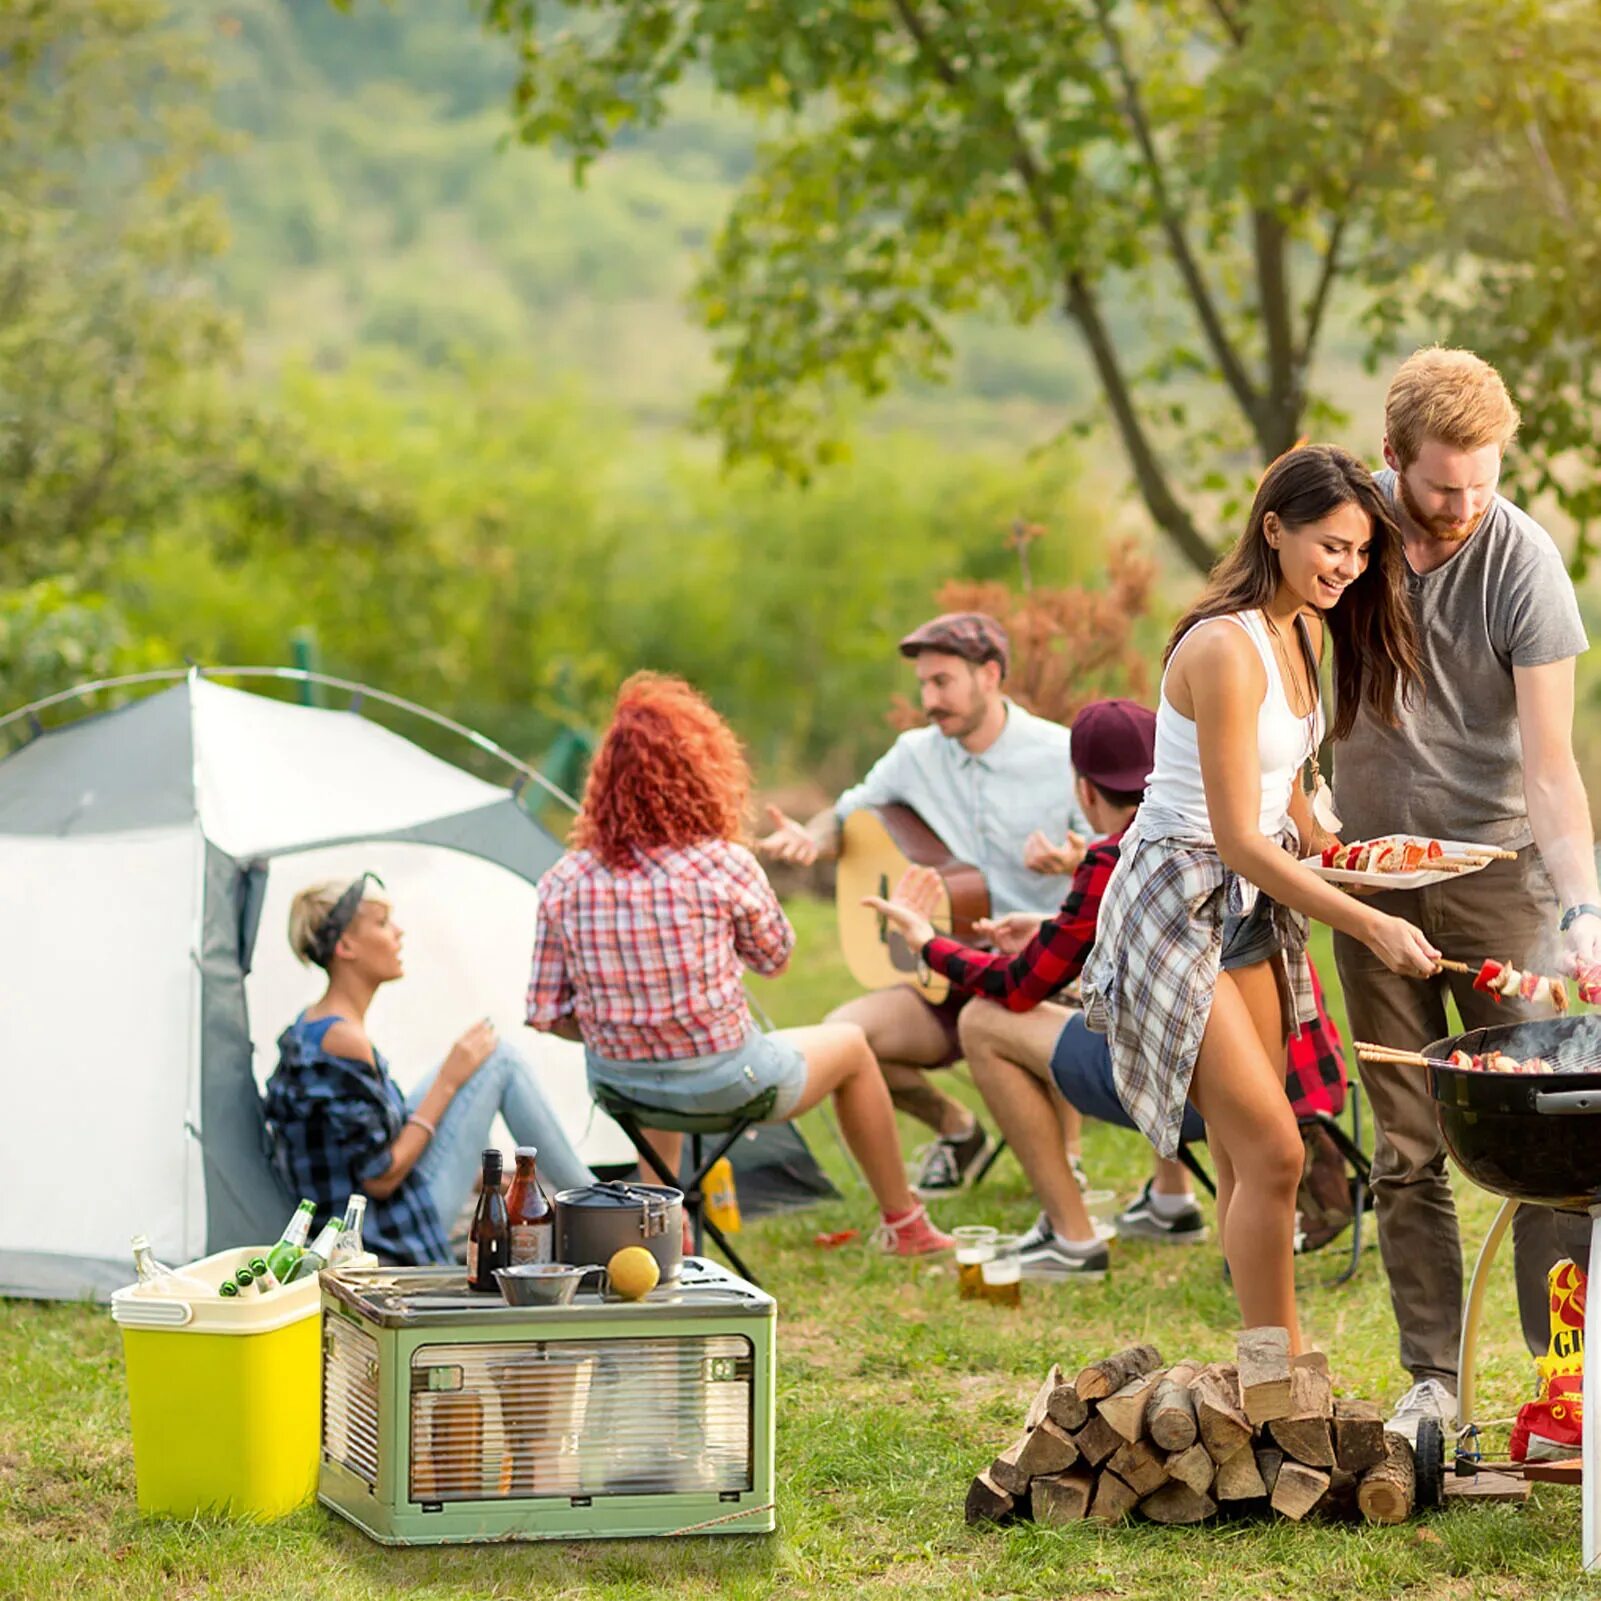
1283,743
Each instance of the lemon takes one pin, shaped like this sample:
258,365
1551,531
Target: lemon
634,1272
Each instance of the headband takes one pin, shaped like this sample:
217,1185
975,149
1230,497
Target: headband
340,916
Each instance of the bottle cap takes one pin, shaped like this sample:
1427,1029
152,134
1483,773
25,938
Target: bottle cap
493,1161
527,1153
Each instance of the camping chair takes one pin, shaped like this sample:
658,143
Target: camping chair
633,1117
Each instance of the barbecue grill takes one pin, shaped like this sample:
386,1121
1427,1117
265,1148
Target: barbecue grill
1533,1139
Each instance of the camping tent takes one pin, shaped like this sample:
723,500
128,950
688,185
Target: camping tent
142,851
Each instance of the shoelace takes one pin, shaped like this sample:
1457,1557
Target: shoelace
886,1234
938,1164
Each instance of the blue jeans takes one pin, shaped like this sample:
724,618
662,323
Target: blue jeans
1081,1064
505,1084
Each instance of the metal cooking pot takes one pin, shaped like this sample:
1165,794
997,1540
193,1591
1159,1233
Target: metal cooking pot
596,1220
1532,1137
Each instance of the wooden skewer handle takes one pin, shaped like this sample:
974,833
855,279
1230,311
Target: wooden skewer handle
1389,1053
1453,967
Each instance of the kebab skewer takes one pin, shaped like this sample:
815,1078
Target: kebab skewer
1489,1062
1407,856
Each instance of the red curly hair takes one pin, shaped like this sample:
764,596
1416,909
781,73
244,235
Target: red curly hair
669,771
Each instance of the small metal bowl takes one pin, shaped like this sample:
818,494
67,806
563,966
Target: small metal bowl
541,1283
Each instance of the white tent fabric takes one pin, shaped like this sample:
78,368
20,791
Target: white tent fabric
469,928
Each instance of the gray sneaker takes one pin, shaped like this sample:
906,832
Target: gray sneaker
1050,1259
1040,1230
1140,1220
1428,1398
948,1164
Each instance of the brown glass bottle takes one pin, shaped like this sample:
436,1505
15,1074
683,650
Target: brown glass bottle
533,1222
489,1238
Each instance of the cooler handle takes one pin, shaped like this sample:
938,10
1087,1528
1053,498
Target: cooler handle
1568,1103
151,1312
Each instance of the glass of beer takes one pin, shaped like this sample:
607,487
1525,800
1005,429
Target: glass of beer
975,1245
1001,1272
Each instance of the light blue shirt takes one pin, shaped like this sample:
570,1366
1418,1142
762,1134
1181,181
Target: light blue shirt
984,807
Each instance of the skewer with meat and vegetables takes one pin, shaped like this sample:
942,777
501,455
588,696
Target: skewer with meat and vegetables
1404,854
1488,1062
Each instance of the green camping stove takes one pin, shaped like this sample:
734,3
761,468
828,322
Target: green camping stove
450,1416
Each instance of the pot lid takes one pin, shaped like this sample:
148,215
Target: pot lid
617,1195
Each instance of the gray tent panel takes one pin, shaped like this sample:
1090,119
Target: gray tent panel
246,1201
126,769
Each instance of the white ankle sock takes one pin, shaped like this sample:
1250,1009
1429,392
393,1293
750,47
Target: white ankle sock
1171,1206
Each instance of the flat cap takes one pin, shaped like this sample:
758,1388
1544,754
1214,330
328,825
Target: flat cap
975,636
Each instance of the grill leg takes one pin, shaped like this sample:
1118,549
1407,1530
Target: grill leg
1474,1310
1591,1489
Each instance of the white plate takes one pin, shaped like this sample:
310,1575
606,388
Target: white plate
1419,879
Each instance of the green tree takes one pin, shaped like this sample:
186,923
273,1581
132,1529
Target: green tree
108,335
1192,184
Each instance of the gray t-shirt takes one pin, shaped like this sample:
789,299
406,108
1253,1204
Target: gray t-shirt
1454,767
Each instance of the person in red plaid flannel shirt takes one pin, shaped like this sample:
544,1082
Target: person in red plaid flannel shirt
1032,1057
646,927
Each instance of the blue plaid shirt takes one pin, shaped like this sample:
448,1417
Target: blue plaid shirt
335,1121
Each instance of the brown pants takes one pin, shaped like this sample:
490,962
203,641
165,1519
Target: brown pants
1507,911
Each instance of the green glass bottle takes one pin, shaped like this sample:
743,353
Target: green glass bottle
244,1278
315,1258
292,1241
262,1274
227,1288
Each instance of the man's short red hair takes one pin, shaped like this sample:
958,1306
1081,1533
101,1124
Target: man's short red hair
669,771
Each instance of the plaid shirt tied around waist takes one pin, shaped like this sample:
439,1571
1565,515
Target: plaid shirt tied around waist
1150,979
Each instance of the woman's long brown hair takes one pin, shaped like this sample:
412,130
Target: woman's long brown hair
1375,642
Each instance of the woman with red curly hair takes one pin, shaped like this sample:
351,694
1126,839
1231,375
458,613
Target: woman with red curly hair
645,929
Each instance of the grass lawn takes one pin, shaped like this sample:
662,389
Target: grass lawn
891,1394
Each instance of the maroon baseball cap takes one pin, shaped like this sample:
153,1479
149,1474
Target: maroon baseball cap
975,636
1114,743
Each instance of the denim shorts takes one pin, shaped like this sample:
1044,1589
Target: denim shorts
1081,1064
1250,939
725,1081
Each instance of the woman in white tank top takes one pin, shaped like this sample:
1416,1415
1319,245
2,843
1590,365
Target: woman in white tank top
1199,969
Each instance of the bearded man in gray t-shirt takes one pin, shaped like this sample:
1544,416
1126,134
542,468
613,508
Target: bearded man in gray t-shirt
1486,754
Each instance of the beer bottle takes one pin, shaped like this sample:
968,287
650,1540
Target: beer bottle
315,1257
489,1238
262,1274
349,1244
244,1278
227,1288
156,1278
531,1218
292,1241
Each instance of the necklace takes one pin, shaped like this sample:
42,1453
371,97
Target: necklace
1322,800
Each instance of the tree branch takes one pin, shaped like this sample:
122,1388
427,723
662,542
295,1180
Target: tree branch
1281,406
1232,26
1173,519
1223,352
1081,306
1329,271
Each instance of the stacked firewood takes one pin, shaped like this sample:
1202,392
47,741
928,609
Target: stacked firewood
1180,1444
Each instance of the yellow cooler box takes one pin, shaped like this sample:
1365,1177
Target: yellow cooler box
226,1394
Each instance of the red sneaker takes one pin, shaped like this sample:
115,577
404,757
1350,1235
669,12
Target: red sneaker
911,1234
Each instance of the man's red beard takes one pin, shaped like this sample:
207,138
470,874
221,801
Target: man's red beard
1436,527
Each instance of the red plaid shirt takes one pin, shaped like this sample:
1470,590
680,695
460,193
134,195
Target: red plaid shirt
1053,958
1315,1070
650,961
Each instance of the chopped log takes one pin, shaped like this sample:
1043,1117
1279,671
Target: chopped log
1387,1492
1263,1357
1193,1466
1007,1470
1177,1503
987,1502
1097,1440
1318,1361
1113,1372
1358,1435
1066,1408
1125,1407
1305,1432
1170,1413
1240,1478
1298,1490
1486,1485
1339,1500
1140,1466
1224,1427
1113,1499
1048,1449
1062,1497
1039,1408
1269,1459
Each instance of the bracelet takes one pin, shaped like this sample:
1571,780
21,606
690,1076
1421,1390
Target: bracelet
422,1122
1574,913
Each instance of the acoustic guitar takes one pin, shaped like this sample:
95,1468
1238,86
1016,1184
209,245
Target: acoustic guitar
878,844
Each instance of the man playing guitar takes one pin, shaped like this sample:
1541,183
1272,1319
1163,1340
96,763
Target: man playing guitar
996,784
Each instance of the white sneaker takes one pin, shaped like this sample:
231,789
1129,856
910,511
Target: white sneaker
1040,1230
1428,1398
